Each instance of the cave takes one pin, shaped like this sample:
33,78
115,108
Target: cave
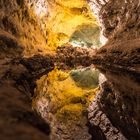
69,69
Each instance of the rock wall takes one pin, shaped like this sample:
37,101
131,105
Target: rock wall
119,19
114,114
22,23
117,105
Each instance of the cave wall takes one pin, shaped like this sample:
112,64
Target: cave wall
22,61
17,119
117,105
20,35
19,20
119,19
114,114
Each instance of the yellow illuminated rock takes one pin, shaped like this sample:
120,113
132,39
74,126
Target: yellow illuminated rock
52,23
63,19
58,98
63,94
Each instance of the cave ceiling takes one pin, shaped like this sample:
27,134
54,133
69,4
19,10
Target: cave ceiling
67,21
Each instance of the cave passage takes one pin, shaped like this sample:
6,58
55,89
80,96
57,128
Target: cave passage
70,69
64,94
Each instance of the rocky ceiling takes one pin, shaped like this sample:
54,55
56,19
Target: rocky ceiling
60,20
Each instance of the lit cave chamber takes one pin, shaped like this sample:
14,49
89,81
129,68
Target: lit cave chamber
69,69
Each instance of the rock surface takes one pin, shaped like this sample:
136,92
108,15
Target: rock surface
18,76
119,100
63,105
114,113
17,119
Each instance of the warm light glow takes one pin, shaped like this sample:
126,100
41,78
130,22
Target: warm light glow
40,8
59,19
63,95
64,17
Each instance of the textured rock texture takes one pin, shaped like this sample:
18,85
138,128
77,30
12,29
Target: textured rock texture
117,106
22,23
119,20
63,104
24,58
119,98
18,76
17,120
